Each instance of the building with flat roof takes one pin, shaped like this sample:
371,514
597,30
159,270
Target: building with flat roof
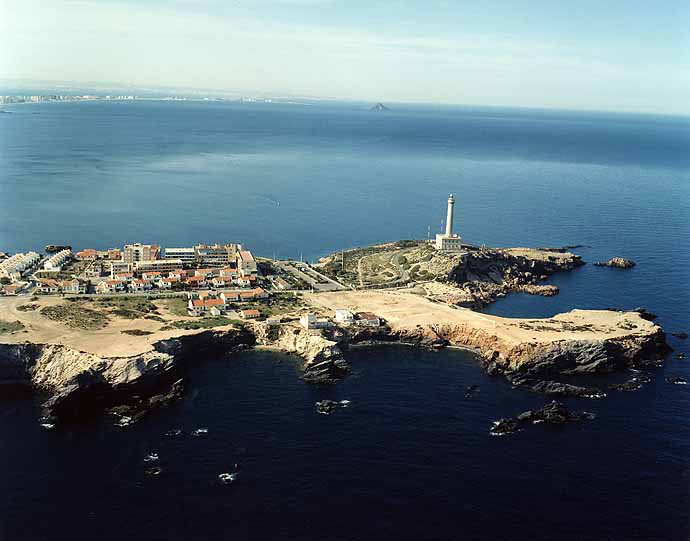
158,265
186,255
133,253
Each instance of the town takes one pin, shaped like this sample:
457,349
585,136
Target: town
213,279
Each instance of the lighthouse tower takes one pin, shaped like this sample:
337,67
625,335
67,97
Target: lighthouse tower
449,241
449,217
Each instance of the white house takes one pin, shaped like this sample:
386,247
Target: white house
312,321
344,316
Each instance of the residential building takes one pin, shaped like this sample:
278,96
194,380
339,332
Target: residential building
245,281
167,283
11,289
218,282
48,286
111,286
250,314
140,285
312,321
230,296
89,254
134,253
151,275
74,287
158,265
124,276
259,293
13,266
117,267
368,319
275,320
177,273
216,255
186,255
114,254
344,316
196,281
246,263
58,260
199,306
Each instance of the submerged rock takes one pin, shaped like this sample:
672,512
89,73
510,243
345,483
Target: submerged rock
554,413
633,384
556,388
227,478
616,262
677,380
681,335
471,389
326,407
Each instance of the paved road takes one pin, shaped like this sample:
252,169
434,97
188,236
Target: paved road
331,285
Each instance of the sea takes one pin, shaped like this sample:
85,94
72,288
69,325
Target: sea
410,456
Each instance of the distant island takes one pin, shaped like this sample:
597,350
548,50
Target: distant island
379,107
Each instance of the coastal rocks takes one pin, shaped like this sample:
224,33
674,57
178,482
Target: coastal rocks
81,384
545,290
326,407
137,407
323,359
633,384
554,413
556,388
677,380
616,262
485,275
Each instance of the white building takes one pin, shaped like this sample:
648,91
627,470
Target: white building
344,316
57,261
312,321
449,241
13,266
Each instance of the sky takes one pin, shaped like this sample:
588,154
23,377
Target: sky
594,55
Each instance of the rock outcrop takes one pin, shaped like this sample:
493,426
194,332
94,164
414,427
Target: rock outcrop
616,262
553,413
79,383
482,276
323,360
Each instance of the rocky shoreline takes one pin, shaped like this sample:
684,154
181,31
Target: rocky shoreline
77,384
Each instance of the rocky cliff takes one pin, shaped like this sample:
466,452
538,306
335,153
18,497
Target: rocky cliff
323,360
78,382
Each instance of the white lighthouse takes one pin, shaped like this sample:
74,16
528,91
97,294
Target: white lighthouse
449,241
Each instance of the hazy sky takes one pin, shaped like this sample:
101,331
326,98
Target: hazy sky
601,54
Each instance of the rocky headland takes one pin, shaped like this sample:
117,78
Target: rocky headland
79,372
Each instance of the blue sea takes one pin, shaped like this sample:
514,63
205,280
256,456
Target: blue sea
411,457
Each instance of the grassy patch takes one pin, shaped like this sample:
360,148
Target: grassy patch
128,307
177,306
27,307
136,332
7,327
75,316
202,323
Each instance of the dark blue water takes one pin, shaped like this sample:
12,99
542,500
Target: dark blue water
411,458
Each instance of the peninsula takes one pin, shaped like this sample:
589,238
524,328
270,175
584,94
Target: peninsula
87,352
